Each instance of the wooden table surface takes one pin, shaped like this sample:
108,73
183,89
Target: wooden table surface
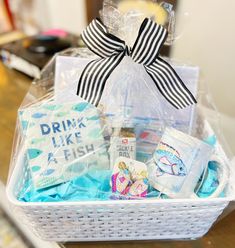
13,87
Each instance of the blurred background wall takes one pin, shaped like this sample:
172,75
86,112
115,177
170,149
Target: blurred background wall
67,14
35,15
207,39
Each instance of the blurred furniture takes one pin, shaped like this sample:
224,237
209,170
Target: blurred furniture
92,9
6,23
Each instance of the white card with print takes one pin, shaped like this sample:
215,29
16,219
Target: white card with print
178,162
62,141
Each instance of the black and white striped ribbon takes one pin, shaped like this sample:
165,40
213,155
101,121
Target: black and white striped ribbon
145,51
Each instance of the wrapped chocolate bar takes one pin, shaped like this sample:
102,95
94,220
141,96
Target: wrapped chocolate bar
114,130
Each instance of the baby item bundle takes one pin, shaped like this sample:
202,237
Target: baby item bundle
121,125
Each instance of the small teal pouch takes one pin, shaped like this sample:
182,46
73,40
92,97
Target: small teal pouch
210,182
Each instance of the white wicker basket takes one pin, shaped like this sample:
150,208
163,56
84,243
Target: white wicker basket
116,220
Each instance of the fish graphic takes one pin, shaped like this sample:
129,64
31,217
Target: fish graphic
36,141
34,153
211,140
168,161
35,168
38,115
80,106
61,114
24,124
52,107
47,172
93,118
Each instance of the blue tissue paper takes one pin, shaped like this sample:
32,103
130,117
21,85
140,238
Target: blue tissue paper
94,185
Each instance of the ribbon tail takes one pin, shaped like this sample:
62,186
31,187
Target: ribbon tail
93,78
170,84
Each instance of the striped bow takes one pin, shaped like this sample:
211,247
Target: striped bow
145,51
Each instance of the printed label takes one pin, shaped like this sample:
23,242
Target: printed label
122,147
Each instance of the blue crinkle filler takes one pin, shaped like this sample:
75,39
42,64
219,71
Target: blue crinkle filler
94,185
